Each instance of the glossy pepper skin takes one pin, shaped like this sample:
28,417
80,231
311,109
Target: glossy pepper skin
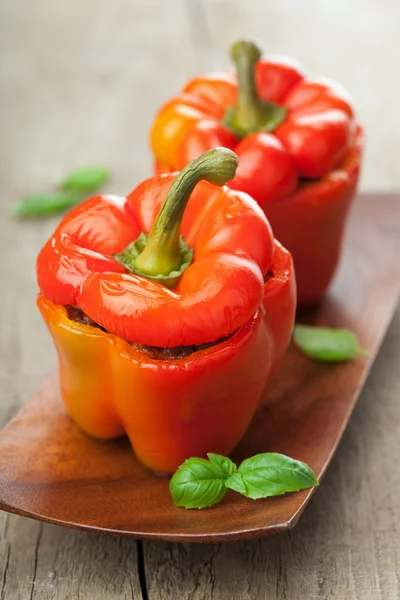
170,409
306,140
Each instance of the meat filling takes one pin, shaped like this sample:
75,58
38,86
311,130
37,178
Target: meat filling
268,276
155,352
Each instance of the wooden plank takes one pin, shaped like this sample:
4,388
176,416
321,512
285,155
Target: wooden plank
44,562
18,557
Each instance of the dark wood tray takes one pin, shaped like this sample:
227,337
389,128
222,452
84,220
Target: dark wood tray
50,471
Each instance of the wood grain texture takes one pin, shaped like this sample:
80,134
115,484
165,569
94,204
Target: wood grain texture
67,98
67,566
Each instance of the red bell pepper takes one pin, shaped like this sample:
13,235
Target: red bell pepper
185,303
298,144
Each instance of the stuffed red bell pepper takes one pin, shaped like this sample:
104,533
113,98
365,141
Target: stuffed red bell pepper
298,144
169,309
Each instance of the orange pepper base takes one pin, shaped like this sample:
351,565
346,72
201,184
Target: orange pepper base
170,410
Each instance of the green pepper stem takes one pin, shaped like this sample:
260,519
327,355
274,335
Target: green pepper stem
249,108
250,114
162,254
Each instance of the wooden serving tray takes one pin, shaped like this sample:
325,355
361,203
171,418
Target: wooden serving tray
51,471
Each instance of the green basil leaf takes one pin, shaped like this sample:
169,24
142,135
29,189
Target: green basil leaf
271,474
40,205
327,345
235,482
85,179
222,464
196,484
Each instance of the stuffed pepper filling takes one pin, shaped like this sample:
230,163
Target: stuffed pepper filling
154,352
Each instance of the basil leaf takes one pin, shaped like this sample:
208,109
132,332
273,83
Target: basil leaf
327,345
85,179
236,483
271,474
196,484
222,464
39,205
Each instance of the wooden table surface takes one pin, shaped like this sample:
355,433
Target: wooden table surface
80,82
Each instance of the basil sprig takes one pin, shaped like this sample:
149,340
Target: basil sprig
41,205
200,483
327,345
85,179
72,190
271,474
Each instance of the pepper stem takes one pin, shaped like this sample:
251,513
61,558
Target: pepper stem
250,114
163,255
